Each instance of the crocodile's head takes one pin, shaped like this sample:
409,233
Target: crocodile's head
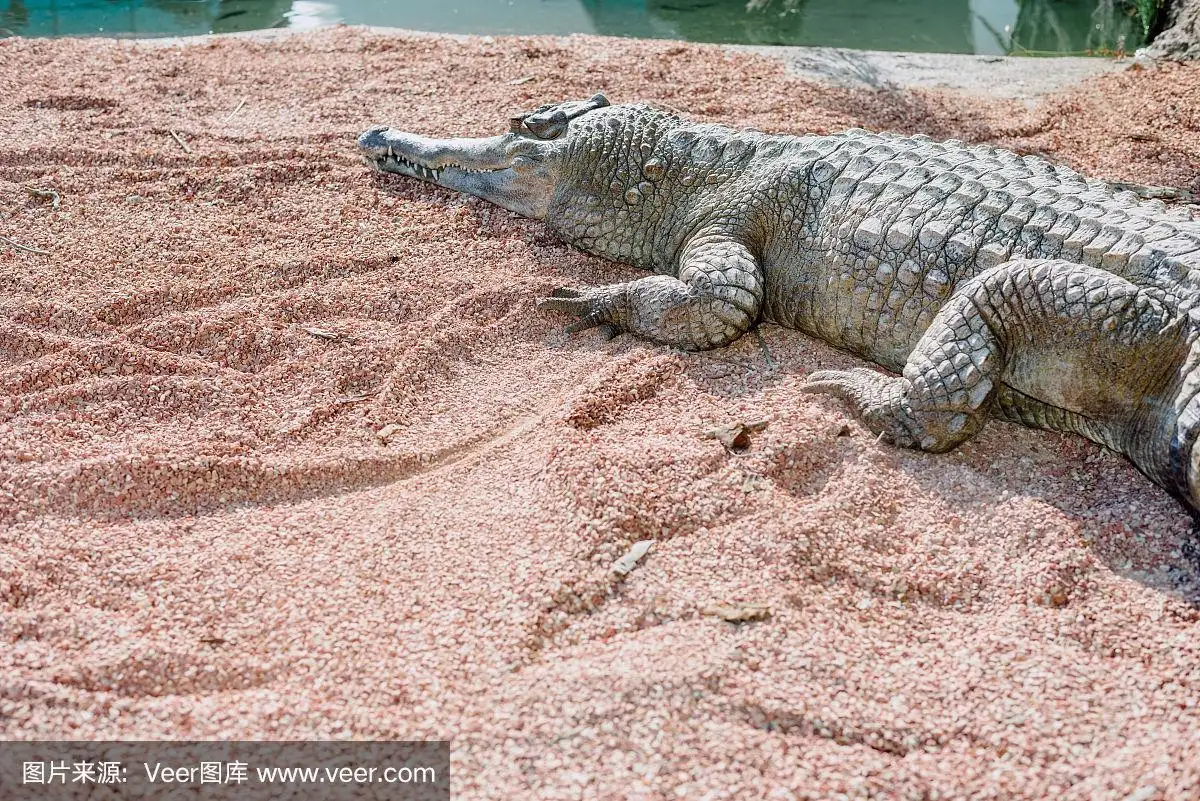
587,168
518,170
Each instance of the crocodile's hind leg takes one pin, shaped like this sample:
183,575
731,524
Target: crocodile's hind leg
1068,336
1016,407
715,299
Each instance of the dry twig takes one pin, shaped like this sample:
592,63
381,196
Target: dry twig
46,194
25,248
235,111
179,139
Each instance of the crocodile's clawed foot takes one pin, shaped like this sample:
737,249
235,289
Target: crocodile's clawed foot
596,308
880,400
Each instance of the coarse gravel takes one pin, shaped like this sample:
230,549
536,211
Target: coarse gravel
287,452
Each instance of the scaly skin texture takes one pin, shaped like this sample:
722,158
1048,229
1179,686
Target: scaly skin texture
996,285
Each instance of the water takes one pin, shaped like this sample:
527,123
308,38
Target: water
943,26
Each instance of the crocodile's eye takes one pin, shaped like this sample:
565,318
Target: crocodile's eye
550,122
547,126
540,126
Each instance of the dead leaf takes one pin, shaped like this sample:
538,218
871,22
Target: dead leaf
321,333
736,436
738,611
387,431
629,561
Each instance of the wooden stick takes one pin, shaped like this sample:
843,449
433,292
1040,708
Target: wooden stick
182,143
235,111
25,248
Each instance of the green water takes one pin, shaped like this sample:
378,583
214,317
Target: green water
943,26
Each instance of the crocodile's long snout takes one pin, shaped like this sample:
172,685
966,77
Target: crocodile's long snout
419,156
486,167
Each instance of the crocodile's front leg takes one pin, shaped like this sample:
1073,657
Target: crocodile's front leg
715,299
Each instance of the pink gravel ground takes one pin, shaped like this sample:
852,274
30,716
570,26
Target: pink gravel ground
203,536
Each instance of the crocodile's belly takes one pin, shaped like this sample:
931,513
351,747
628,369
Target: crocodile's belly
877,311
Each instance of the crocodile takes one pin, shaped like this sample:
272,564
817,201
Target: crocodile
990,284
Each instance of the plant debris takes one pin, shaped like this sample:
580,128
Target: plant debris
46,194
321,333
182,143
388,431
26,248
233,113
347,399
738,611
629,561
736,436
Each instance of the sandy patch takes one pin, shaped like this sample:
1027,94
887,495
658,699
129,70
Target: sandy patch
203,536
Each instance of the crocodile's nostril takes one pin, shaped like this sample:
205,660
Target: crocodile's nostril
372,137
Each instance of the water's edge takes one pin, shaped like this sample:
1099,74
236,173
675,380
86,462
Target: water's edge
1017,77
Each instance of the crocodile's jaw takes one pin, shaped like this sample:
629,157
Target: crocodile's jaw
493,168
